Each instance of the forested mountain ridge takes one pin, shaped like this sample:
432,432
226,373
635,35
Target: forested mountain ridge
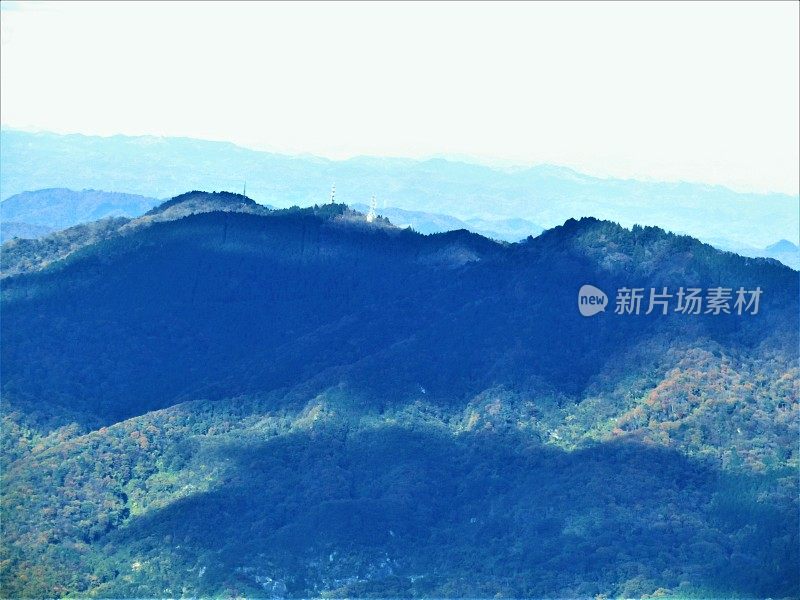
303,403
368,273
196,201
27,255
544,194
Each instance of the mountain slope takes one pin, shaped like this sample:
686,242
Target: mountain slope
230,497
24,255
28,255
303,403
209,278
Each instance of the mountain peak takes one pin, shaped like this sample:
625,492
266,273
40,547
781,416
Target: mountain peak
782,246
197,199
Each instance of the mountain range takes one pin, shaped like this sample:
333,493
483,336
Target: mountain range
508,230
53,209
545,195
219,398
24,231
59,208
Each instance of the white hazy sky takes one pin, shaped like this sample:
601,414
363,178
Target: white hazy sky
692,91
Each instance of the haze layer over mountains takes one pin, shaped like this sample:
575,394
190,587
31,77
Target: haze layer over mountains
544,195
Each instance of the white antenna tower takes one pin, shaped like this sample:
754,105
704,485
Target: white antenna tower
333,192
371,214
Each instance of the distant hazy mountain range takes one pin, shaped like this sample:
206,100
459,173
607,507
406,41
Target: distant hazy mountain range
57,208
14,229
785,251
507,230
545,195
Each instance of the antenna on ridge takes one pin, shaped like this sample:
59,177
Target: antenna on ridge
244,191
372,206
333,192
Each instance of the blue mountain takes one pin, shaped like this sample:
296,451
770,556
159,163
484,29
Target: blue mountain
545,195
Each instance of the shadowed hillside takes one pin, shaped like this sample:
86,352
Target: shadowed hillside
299,402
